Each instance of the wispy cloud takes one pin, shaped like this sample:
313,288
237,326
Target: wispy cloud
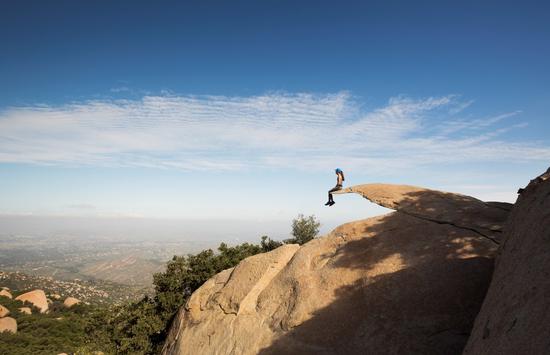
305,131
460,125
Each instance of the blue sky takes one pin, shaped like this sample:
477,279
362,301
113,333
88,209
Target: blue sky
241,110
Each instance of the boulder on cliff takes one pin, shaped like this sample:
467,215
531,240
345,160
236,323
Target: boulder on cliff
8,324
6,293
515,317
37,298
26,310
410,282
3,311
71,301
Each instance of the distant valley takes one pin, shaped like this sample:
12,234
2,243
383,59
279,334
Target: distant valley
99,270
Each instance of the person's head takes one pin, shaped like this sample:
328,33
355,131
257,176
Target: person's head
338,171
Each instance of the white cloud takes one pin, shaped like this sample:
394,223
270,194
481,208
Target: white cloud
274,130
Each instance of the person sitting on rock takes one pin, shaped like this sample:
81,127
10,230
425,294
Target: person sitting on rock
339,181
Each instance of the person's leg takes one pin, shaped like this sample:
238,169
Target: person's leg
330,198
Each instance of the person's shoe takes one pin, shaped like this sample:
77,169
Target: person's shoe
328,203
331,203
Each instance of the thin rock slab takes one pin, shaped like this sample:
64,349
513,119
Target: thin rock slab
463,211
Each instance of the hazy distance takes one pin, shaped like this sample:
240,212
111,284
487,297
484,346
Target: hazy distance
212,230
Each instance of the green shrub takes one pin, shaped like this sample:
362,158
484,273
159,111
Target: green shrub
304,229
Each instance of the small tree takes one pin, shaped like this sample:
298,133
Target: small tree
304,229
269,244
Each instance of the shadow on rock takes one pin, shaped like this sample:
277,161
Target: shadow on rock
411,311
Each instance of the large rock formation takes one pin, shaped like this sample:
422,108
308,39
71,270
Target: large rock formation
8,324
37,298
409,282
515,317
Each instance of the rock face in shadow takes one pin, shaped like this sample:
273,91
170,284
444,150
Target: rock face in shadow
515,317
409,282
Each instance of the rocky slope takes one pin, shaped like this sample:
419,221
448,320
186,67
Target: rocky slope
411,281
515,317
